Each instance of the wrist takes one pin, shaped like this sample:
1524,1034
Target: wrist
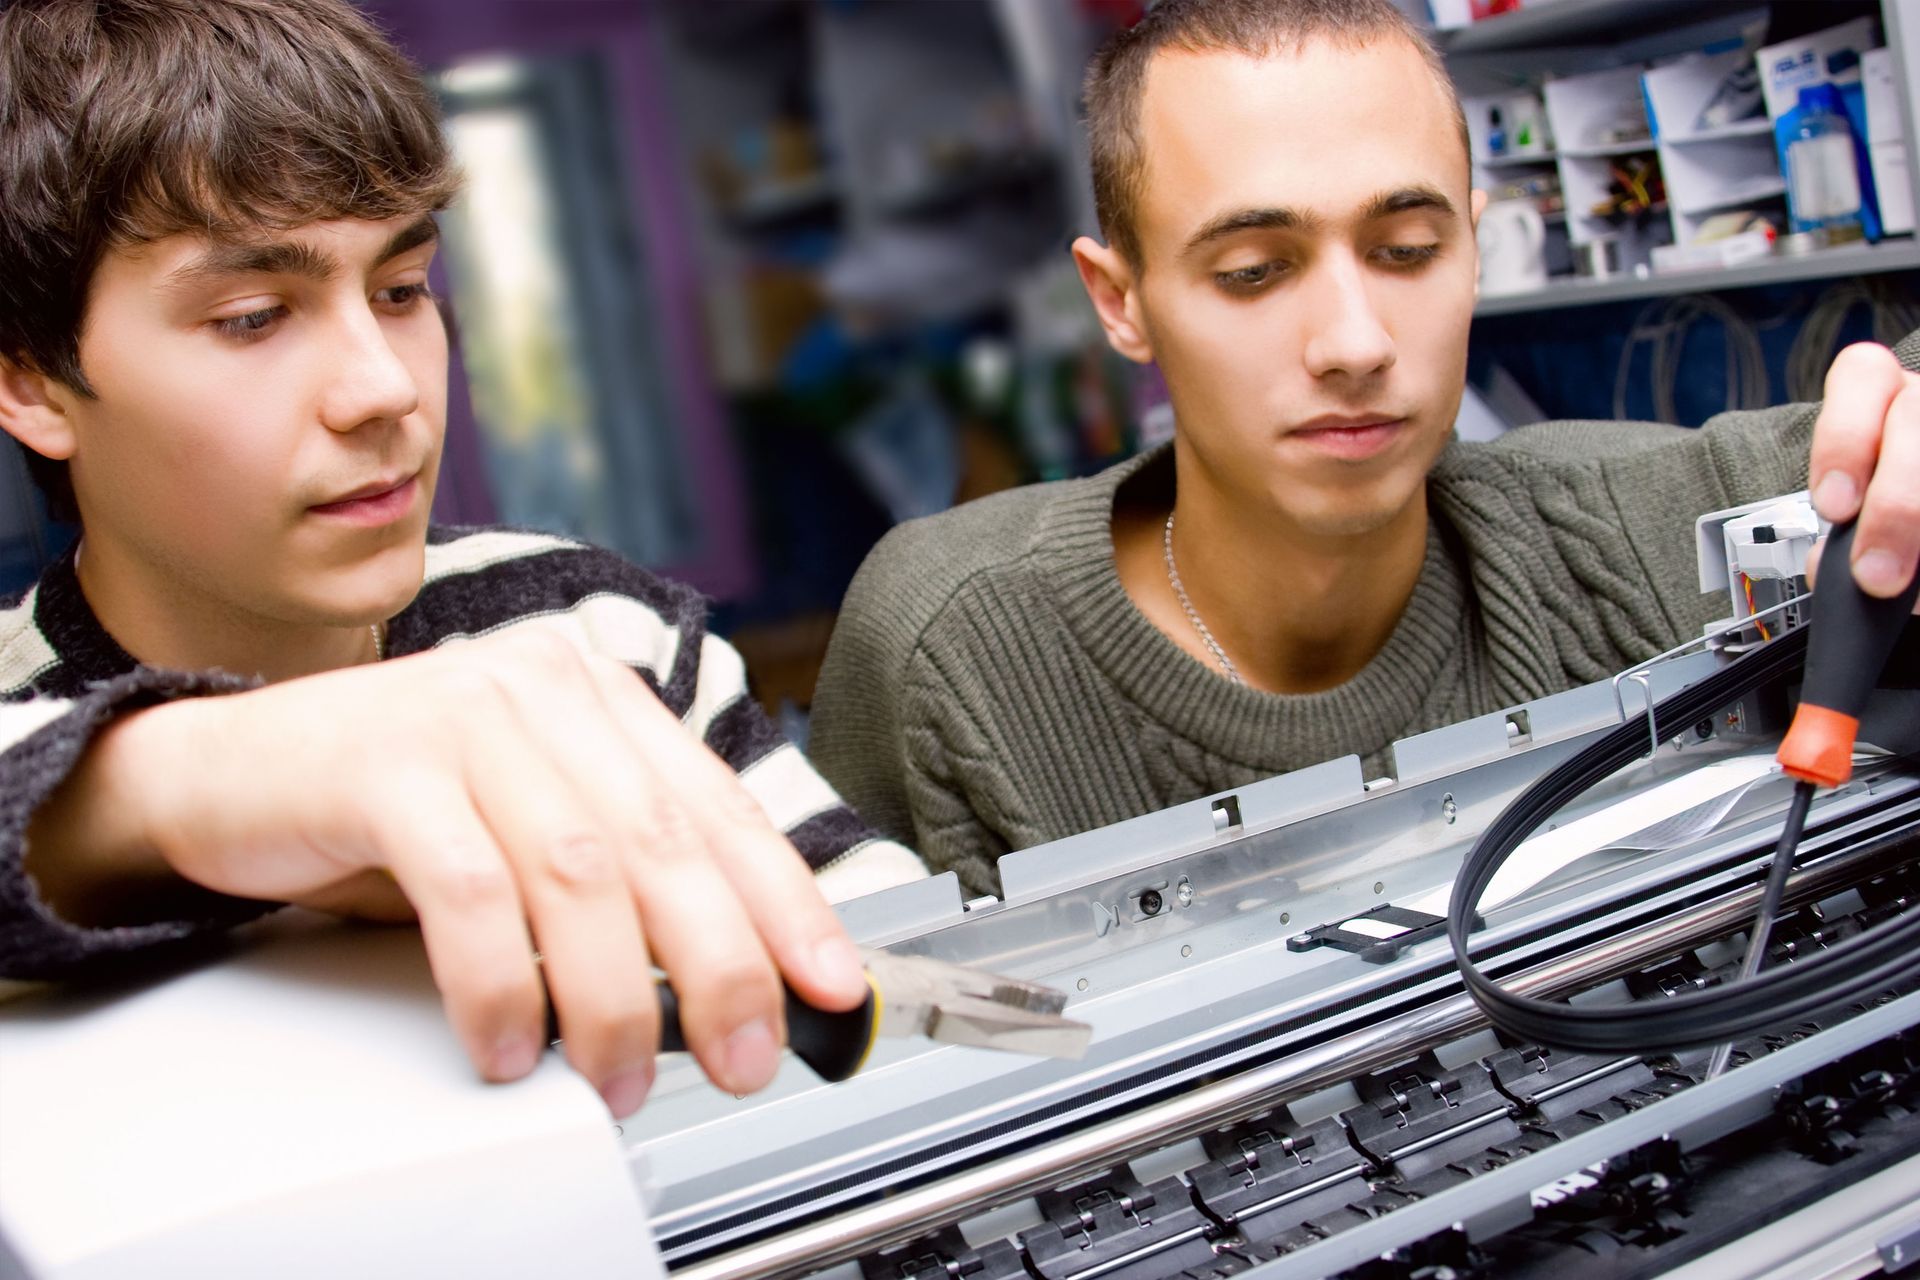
91,847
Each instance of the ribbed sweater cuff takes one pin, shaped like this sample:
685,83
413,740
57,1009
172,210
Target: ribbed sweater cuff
36,944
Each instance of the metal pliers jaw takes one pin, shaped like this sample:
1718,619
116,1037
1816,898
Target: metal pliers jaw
921,996
909,996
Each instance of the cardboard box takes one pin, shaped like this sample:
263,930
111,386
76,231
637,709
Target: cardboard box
1790,66
1886,142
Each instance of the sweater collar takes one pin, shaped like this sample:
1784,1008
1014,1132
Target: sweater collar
90,654
1264,731
87,652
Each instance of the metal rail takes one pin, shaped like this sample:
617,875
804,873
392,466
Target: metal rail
898,1217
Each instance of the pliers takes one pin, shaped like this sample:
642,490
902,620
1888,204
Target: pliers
915,996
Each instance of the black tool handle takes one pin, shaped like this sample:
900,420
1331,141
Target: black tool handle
1850,636
834,1045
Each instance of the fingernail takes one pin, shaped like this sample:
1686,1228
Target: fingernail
1837,496
839,965
514,1056
624,1091
1878,572
752,1055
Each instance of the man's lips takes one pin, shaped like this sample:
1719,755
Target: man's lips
375,503
1348,438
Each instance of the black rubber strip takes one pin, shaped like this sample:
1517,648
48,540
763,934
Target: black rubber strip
1850,970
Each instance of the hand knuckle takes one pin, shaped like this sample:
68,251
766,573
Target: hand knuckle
748,984
668,833
1897,511
471,689
471,880
601,1033
494,994
547,651
580,860
736,806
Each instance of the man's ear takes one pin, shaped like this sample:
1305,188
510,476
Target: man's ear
1112,286
33,410
1476,205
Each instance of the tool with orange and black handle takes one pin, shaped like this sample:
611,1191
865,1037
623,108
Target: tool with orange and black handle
1850,635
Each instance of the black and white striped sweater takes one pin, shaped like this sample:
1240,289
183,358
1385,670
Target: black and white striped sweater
62,678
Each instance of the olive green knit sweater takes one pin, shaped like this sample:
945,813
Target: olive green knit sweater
991,686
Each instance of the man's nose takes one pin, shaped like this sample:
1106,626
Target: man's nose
367,381
1346,334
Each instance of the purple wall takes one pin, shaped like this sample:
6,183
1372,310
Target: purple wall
437,32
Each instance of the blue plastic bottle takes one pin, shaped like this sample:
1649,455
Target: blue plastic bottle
1823,186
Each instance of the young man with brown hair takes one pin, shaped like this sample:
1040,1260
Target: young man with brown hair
1313,567
261,677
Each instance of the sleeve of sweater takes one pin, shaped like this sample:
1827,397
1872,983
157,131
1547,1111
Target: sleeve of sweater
887,724
41,740
1736,457
849,859
857,737
1646,484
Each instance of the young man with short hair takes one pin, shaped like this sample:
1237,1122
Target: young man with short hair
1313,567
260,677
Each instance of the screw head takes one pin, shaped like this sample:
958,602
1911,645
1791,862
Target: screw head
1185,952
1080,985
1379,886
1185,894
1151,902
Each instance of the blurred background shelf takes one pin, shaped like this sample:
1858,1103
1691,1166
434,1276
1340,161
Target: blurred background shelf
1734,196
1569,22
1637,146
1760,126
1850,260
758,279
1513,159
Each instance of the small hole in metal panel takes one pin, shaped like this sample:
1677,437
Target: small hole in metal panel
1226,815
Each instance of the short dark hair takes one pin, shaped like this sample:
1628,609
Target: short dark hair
124,121
1117,77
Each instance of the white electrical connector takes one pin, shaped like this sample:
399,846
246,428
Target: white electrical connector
1772,543
1758,555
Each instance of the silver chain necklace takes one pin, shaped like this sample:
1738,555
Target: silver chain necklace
1193,616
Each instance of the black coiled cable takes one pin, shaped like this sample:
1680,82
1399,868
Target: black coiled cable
1850,970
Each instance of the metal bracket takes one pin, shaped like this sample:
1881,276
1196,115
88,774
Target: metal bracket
1641,672
1416,927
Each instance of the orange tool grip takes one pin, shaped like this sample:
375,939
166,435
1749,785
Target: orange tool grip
1818,747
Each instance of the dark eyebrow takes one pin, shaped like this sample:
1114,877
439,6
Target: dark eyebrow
1407,200
423,230
1269,219
1279,218
291,258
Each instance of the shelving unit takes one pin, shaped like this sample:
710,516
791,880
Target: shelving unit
1631,148
1549,23
1589,57
1759,127
1512,160
1851,260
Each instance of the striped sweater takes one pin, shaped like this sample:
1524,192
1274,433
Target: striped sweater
62,677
